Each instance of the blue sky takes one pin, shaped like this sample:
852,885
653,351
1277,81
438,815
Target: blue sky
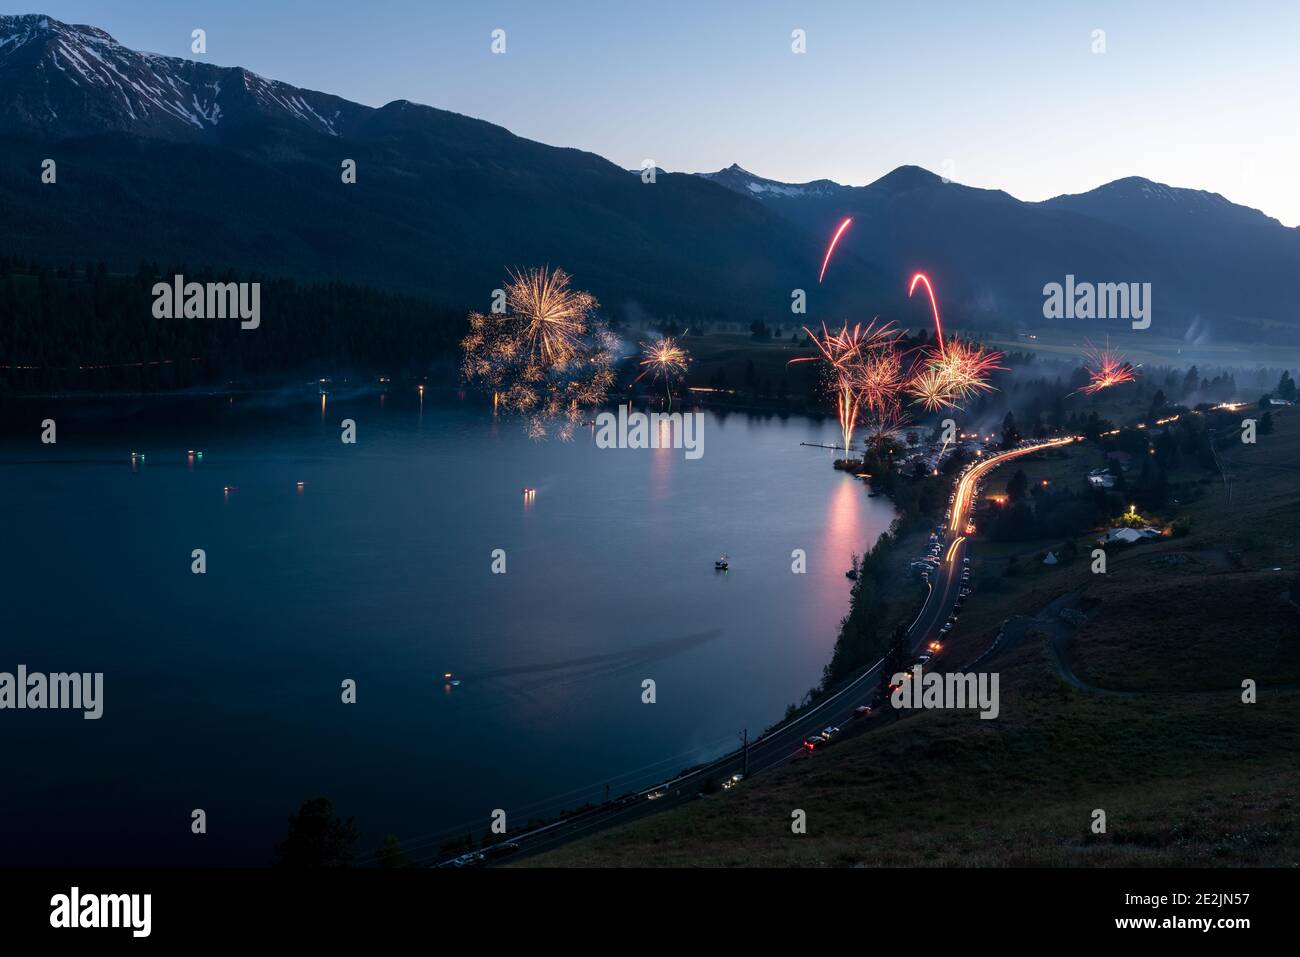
1008,95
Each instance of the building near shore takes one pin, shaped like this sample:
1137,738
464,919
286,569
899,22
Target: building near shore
1129,535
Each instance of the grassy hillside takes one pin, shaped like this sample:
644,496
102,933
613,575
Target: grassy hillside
1186,773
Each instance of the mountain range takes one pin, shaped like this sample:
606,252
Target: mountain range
181,162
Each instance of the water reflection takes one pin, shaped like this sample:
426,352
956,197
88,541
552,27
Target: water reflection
375,577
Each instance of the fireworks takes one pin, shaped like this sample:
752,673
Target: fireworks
546,357
1106,367
664,359
831,248
954,371
556,316
880,378
929,387
858,372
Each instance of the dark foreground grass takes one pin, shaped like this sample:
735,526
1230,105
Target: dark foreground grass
1183,779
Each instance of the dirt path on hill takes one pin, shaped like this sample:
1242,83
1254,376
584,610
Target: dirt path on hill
1059,619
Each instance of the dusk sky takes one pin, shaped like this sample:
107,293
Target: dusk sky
1006,96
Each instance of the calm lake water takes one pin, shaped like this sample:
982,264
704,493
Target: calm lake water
222,691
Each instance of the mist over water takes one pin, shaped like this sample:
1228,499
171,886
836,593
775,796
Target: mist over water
222,691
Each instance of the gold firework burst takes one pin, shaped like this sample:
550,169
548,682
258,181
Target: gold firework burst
556,316
546,357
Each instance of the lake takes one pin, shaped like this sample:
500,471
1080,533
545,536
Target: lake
222,691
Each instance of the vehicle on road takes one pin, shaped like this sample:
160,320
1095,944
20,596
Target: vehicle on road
503,849
656,794
862,710
829,733
924,659
732,781
813,742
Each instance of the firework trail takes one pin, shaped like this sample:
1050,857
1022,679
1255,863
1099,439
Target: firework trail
664,359
934,304
954,371
1106,367
547,357
831,248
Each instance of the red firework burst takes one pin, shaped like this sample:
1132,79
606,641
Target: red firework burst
1106,367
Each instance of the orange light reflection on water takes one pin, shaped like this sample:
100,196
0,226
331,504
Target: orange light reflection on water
842,535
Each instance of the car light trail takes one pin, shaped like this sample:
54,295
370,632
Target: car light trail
965,488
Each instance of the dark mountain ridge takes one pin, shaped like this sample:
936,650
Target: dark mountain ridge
172,160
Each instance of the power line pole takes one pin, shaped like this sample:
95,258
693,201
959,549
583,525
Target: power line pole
745,744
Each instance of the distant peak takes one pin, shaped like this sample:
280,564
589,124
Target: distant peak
908,177
28,24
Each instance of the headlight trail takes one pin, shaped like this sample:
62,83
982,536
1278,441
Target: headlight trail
965,488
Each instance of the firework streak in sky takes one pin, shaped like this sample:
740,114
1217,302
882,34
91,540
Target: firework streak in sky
869,375
953,371
831,248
